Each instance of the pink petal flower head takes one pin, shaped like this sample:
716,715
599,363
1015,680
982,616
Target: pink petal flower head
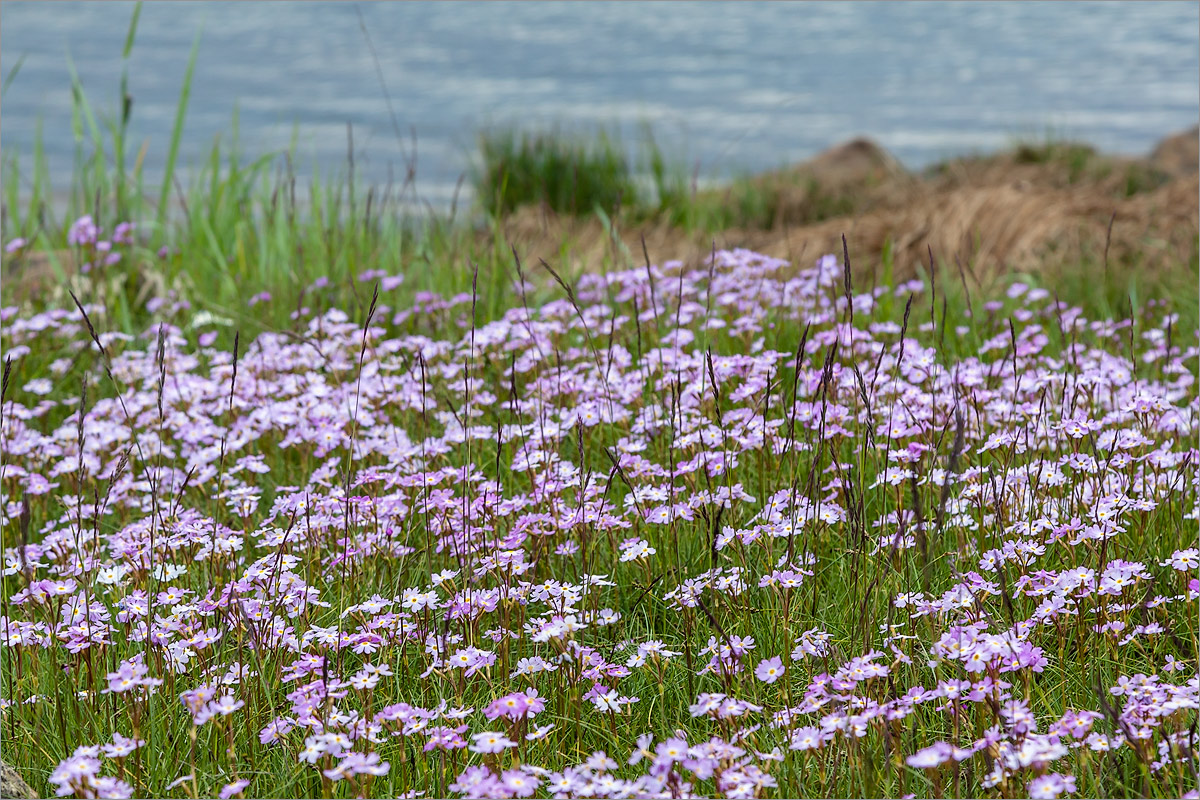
769,670
935,755
233,789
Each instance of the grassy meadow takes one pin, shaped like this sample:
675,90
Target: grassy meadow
304,496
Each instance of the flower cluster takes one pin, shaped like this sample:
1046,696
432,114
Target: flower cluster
732,529
97,250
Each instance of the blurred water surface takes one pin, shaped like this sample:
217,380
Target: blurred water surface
728,88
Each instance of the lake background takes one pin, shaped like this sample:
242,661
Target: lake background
727,88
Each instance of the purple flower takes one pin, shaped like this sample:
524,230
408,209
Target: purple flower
769,670
1049,787
233,789
83,232
123,233
490,742
671,750
516,705
130,675
445,738
935,755
519,783
1184,560
121,746
354,763
475,782
806,738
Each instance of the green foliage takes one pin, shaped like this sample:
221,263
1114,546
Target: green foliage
1075,156
569,174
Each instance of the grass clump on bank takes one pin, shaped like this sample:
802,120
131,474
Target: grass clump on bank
576,175
568,174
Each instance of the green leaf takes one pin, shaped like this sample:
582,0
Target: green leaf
133,23
176,135
12,74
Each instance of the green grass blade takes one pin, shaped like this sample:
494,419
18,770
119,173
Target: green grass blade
133,23
125,104
176,135
12,74
78,97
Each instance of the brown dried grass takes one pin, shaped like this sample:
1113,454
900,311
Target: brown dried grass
1002,213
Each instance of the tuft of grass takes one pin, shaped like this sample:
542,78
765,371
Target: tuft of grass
577,175
569,174
1076,156
755,203
1082,162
